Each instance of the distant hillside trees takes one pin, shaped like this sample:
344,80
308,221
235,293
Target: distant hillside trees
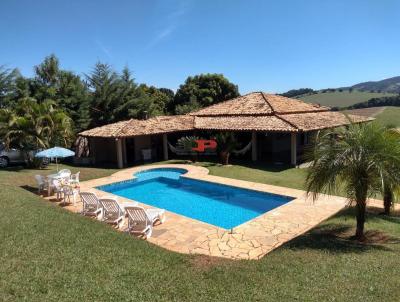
378,102
297,92
390,85
203,90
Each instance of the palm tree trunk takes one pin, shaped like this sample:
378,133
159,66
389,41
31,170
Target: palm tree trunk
225,157
360,213
387,200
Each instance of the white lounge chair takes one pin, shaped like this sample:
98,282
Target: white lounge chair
141,221
41,182
91,205
113,213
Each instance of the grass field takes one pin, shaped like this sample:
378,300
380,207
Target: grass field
371,111
49,254
341,99
389,117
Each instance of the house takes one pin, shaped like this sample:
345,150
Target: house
278,128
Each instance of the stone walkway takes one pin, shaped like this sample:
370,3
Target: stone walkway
251,240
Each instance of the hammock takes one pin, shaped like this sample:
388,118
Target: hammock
177,150
242,151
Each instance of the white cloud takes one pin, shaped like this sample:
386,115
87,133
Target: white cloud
103,48
171,24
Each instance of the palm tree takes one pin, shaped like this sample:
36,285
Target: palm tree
360,159
187,143
390,190
226,143
32,125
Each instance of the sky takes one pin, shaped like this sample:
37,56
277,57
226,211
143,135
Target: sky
271,46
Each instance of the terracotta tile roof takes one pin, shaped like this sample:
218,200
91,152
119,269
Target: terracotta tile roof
284,105
253,103
110,130
322,120
259,103
159,124
257,123
254,111
133,127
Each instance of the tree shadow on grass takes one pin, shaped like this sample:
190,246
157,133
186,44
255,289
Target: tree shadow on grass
52,199
262,166
338,238
31,189
213,162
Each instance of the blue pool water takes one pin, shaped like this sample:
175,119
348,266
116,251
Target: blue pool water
219,205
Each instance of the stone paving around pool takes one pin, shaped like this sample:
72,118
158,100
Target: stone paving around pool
251,240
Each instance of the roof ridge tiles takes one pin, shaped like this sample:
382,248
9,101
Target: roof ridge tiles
266,100
286,121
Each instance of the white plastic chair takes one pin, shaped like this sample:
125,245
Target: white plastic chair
74,179
141,221
91,205
65,175
64,171
113,213
69,191
41,182
57,188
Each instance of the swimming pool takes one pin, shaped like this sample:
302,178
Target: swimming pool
220,205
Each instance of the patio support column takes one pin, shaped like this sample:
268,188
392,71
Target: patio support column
293,148
124,160
254,146
165,146
118,143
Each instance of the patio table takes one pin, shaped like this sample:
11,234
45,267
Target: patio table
50,179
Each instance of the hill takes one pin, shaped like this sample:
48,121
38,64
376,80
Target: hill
343,98
391,85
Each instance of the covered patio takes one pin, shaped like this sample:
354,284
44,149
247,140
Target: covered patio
279,129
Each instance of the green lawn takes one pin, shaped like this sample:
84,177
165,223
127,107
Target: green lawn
49,254
279,175
389,117
342,99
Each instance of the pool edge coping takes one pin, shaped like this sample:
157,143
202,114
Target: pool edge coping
202,174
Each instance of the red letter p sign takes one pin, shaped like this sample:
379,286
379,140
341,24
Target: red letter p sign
203,144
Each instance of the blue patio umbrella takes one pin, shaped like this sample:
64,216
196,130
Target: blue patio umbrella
56,152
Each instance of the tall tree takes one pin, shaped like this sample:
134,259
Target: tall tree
159,99
73,96
203,90
128,95
46,79
360,160
47,72
103,82
7,84
115,97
